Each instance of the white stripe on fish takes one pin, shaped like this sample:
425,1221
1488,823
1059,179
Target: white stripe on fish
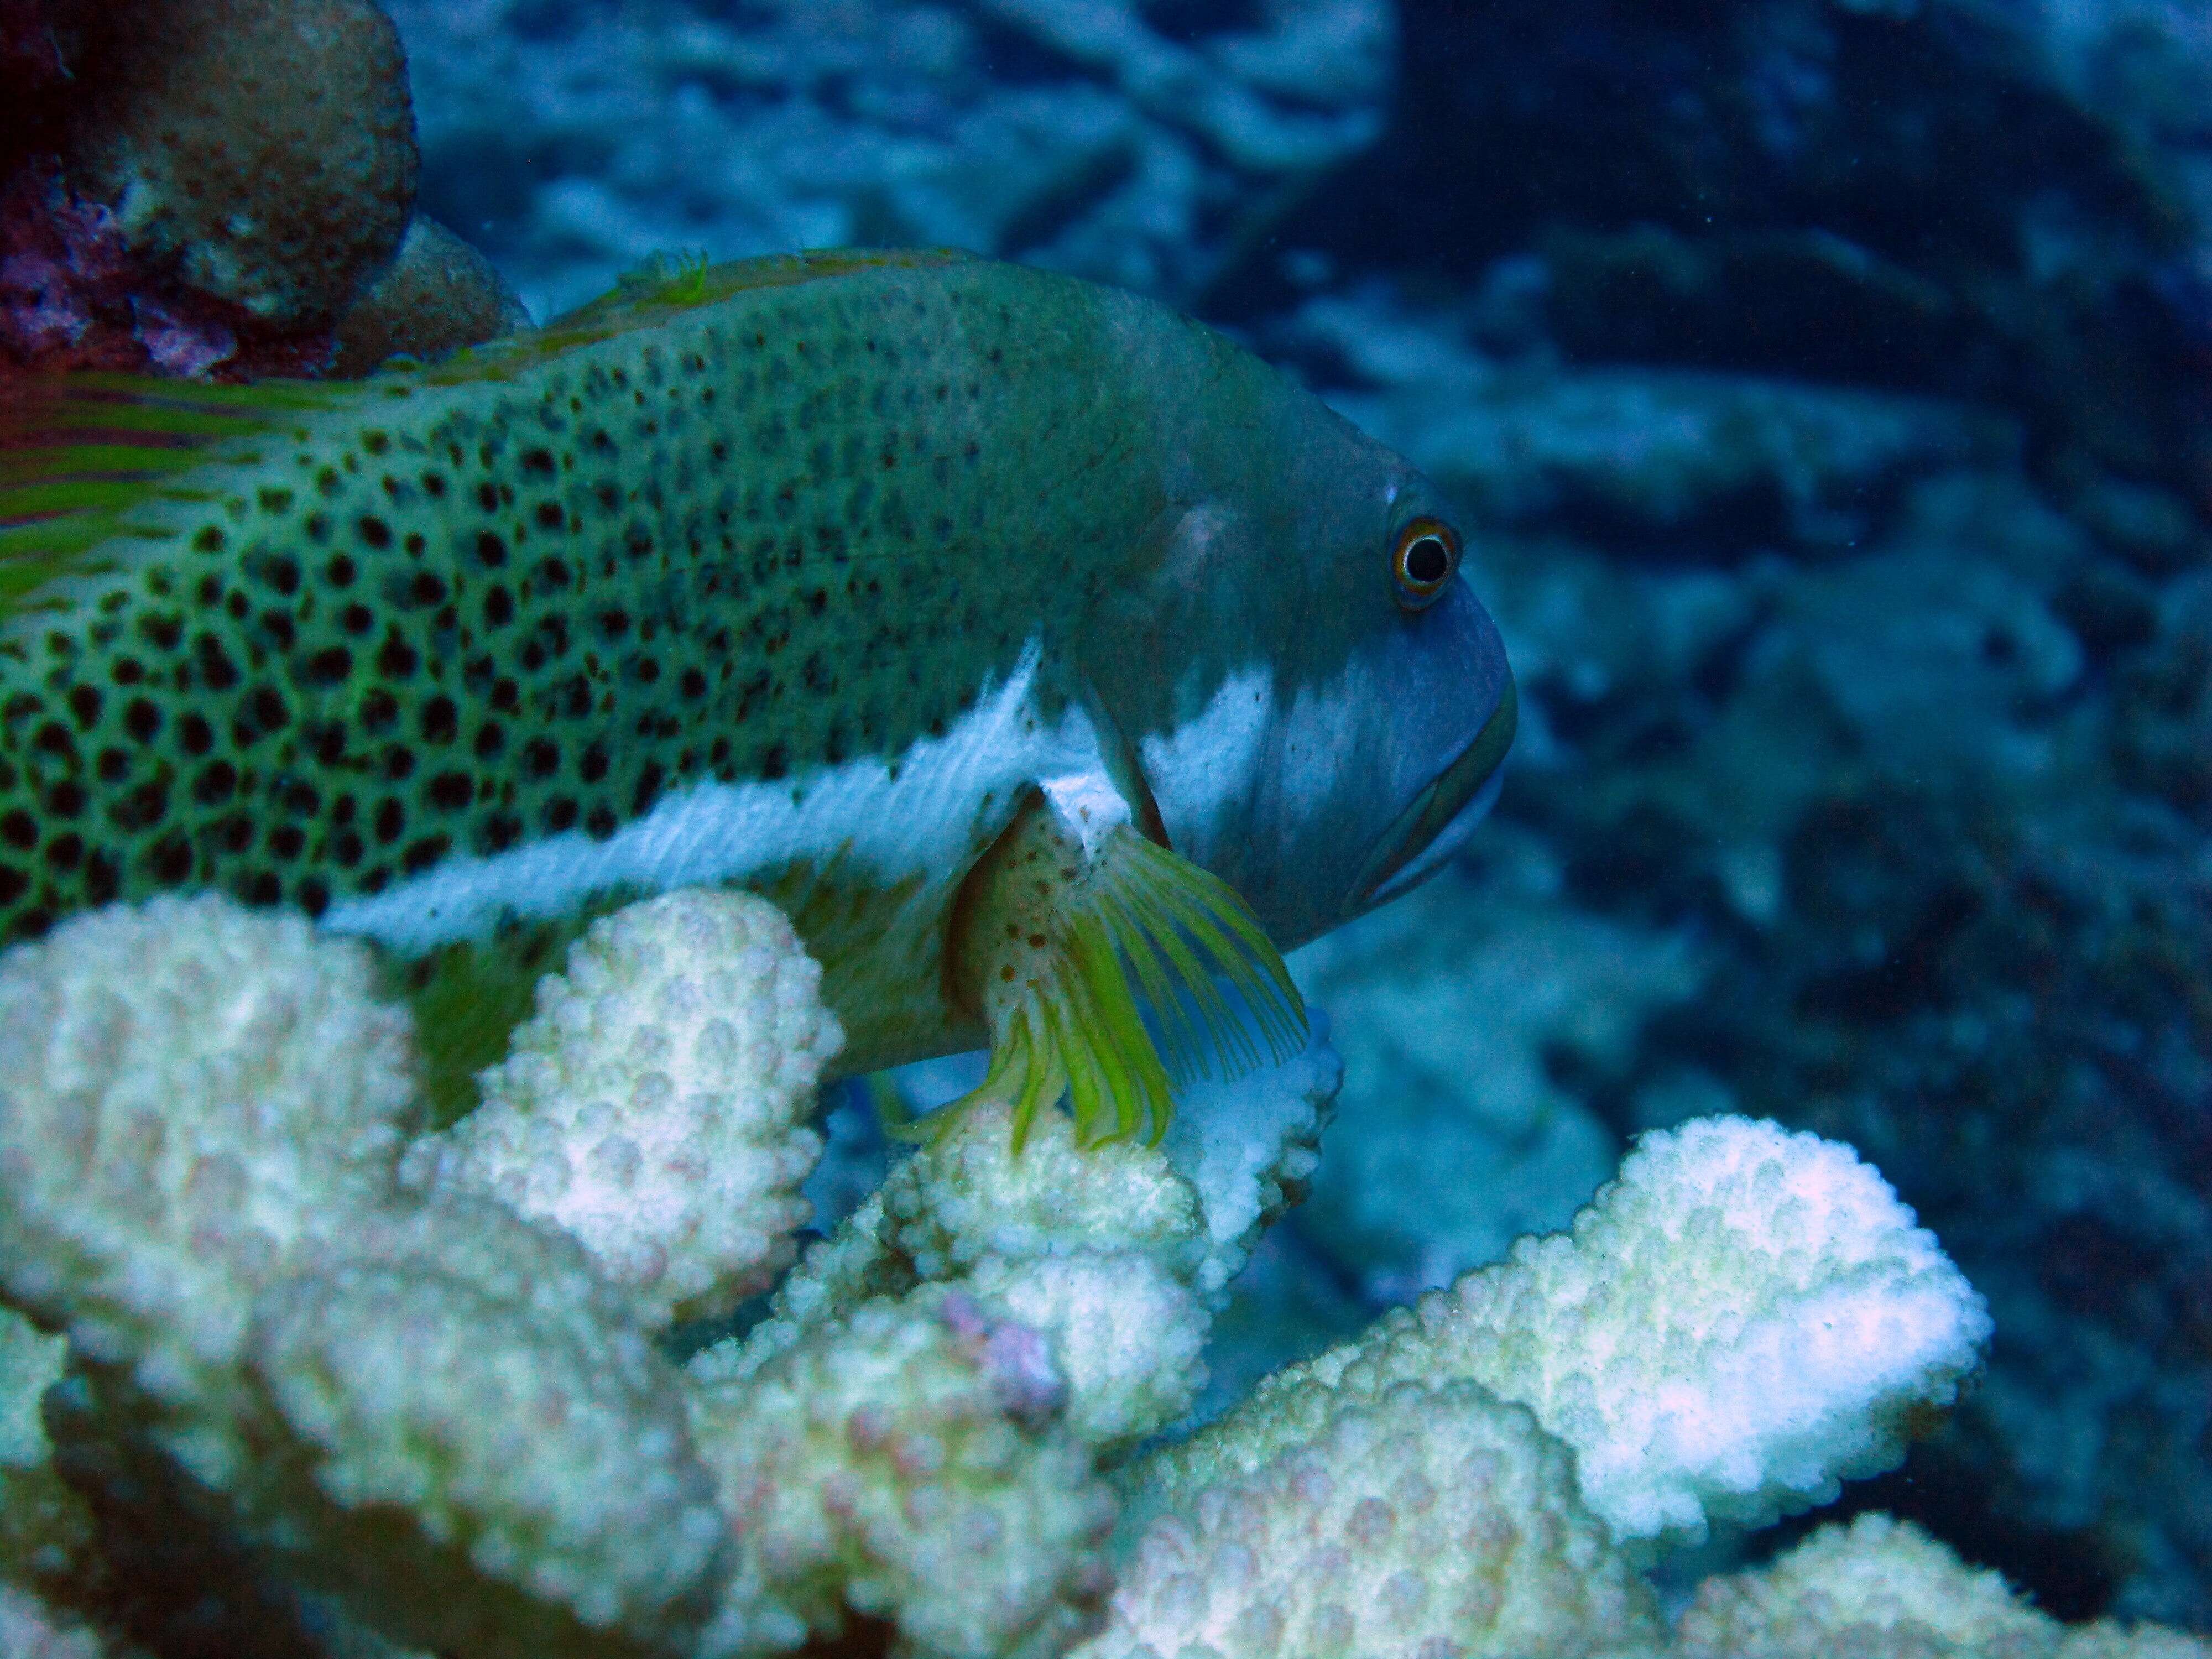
924,820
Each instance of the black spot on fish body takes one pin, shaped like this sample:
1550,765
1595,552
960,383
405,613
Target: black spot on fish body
333,666
269,709
103,880
170,861
216,669
144,807
397,659
422,854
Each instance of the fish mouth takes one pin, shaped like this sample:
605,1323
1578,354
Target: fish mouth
1442,816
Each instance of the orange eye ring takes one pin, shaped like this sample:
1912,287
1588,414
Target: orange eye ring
1424,562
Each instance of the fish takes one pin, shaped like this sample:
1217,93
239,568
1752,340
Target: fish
1054,662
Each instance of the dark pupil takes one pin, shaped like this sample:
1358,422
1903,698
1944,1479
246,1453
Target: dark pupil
1427,560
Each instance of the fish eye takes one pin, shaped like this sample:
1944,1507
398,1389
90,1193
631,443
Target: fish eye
1426,555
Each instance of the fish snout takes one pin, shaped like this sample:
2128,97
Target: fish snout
1462,710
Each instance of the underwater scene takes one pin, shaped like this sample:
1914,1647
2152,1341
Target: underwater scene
1106,828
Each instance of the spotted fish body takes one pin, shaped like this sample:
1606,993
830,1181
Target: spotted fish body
799,573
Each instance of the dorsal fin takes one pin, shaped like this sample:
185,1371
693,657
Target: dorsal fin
664,289
79,451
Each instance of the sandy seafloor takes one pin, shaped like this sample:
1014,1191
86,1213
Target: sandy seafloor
1827,385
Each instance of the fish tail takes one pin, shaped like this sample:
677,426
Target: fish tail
81,454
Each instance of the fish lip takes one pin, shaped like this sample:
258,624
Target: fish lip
1442,816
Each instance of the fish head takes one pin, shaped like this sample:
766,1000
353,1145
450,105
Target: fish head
1344,705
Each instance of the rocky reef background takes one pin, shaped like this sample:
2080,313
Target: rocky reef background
1829,385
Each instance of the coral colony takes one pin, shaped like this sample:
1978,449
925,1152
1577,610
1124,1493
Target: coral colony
290,1373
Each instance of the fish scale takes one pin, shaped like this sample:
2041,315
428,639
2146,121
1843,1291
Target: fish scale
711,552
775,574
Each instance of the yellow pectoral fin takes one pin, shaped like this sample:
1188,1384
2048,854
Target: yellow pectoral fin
1066,947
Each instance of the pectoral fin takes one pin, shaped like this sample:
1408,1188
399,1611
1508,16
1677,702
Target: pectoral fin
1071,930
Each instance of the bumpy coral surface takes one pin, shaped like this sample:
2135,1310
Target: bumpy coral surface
197,187
438,295
475,1445
653,1106
1884,1589
905,1463
1418,1522
1119,1253
263,149
302,1410
1741,1318
188,1093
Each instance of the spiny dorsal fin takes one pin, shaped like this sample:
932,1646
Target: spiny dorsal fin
664,289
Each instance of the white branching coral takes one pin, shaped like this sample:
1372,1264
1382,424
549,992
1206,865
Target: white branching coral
906,1463
438,1412
1416,1522
474,1445
310,1406
1742,1319
1884,1588
187,1092
655,1105
1119,1254
1250,1146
